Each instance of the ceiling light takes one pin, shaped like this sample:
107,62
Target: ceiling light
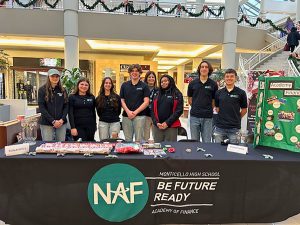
185,53
170,62
32,42
217,55
164,67
109,46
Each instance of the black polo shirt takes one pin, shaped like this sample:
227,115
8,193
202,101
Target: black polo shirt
134,95
230,104
202,95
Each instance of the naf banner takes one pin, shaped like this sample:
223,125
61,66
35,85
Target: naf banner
277,121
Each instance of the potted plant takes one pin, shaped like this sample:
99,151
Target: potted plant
70,78
218,76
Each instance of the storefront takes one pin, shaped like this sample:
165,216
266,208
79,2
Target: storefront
28,74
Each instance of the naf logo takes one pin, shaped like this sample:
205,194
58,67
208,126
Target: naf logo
118,192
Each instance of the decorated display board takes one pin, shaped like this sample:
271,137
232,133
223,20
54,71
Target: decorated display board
252,90
277,121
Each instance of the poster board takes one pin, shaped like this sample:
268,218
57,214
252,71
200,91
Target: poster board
277,122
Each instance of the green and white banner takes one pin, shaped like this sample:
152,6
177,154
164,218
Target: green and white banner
277,122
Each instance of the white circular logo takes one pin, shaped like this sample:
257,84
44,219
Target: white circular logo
269,125
278,136
276,105
293,139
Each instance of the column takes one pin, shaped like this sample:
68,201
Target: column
230,34
262,12
171,73
180,77
71,34
298,11
196,63
199,7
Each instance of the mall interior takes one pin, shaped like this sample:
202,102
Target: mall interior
172,38
104,43
167,37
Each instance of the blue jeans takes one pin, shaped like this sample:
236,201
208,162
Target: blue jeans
232,134
49,133
203,126
135,126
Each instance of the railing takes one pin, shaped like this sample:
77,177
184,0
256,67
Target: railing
252,19
264,53
39,4
293,69
166,6
246,65
142,5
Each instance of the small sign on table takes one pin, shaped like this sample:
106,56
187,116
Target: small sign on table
237,149
20,149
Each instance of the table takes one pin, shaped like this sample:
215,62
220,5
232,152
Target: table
46,189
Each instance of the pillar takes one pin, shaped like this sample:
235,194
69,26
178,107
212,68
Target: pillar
71,38
180,77
230,34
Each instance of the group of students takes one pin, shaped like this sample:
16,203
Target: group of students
146,106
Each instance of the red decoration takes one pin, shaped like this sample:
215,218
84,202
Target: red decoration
179,7
205,8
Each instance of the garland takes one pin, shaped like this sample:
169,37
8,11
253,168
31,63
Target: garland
260,20
130,8
32,2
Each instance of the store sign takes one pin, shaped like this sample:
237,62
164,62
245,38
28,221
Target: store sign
124,67
51,62
118,192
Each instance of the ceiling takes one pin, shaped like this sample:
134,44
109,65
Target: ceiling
167,55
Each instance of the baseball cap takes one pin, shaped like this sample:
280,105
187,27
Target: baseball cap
53,72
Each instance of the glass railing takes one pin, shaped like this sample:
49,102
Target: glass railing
39,4
155,8
142,8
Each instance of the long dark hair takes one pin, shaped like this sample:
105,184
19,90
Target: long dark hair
100,100
172,86
82,79
49,92
148,74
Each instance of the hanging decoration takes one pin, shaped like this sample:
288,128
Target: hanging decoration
178,8
31,3
260,20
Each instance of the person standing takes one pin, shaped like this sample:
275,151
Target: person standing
135,99
231,105
201,97
82,113
53,105
293,39
150,80
167,107
108,105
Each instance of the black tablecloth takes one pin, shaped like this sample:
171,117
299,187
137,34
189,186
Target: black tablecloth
46,189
